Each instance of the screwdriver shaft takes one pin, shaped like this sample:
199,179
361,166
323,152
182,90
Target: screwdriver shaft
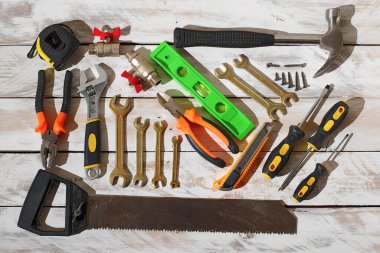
294,171
324,92
337,147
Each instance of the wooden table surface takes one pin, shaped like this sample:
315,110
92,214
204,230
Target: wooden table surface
343,217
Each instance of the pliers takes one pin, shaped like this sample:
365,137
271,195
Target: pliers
185,117
50,137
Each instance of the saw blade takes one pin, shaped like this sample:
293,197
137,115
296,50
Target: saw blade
189,214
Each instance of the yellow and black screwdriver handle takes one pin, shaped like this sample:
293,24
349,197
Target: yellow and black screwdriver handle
331,121
280,155
307,185
92,144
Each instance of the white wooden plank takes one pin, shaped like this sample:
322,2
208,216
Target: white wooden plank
353,178
21,136
154,21
357,76
319,230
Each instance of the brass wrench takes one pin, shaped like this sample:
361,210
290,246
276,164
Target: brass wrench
140,171
120,171
159,126
176,153
285,96
271,106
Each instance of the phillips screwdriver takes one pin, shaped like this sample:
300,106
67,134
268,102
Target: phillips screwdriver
331,121
280,155
307,185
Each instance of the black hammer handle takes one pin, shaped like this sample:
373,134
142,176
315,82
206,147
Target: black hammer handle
231,39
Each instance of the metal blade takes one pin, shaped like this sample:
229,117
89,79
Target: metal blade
169,104
181,214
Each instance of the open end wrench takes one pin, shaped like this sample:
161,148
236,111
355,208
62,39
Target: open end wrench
120,171
159,126
140,171
176,153
244,63
271,106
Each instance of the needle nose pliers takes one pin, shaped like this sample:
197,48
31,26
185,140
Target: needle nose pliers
185,117
50,137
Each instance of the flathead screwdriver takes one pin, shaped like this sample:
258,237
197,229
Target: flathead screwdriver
307,185
331,121
280,155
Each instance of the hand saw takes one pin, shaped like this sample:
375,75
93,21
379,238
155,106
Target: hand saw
152,213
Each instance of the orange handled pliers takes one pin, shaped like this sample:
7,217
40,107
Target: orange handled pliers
50,137
184,118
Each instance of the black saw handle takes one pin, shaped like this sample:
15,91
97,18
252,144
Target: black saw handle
75,210
231,39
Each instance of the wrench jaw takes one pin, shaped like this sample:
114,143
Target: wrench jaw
157,180
285,99
118,109
226,72
241,62
141,180
272,111
122,173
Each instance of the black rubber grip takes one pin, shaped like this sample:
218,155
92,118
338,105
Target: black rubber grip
34,201
231,144
92,143
307,185
216,161
67,92
39,101
230,39
282,152
331,121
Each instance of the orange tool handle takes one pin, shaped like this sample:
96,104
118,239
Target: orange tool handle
222,134
184,126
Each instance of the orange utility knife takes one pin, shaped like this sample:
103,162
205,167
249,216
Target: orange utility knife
236,175
185,117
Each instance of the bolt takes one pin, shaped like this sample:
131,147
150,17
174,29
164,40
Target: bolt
290,80
296,65
272,65
305,84
283,77
298,84
277,77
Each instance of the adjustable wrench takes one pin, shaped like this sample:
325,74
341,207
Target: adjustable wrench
285,96
91,90
120,111
271,106
140,171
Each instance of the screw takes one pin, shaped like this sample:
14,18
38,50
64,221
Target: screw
296,65
277,77
284,82
305,84
298,85
290,80
272,65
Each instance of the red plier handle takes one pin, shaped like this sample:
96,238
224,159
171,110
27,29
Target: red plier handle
58,127
184,125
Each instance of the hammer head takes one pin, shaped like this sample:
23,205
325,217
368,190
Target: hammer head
332,40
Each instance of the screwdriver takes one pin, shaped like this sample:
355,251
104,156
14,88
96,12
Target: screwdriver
307,185
331,121
280,155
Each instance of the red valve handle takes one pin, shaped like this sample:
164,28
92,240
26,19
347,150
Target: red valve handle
133,81
104,35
